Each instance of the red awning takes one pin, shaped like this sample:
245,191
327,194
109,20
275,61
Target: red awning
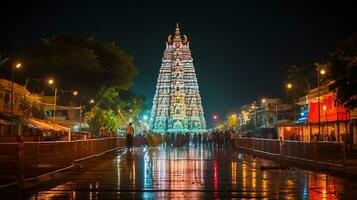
329,111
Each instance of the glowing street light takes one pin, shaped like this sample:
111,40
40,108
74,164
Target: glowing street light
18,65
289,85
215,117
91,101
264,100
322,72
75,93
51,81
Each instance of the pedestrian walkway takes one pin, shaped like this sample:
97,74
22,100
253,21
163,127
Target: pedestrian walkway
195,172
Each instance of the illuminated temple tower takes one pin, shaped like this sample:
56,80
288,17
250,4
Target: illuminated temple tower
177,106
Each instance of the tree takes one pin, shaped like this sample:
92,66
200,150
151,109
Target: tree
343,70
115,109
81,63
3,59
301,77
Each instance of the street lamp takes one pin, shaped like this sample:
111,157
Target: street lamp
91,101
289,85
51,82
75,93
14,66
320,72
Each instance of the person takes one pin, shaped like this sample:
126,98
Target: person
103,131
129,136
111,132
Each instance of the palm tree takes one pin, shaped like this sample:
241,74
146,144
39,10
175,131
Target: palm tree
302,77
3,59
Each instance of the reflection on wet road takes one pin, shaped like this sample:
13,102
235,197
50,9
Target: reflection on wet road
192,173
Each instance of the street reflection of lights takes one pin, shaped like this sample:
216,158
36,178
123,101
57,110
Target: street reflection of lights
234,173
244,175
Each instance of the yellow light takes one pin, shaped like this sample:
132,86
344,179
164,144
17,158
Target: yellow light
263,100
289,85
324,107
75,93
18,65
91,101
322,72
51,81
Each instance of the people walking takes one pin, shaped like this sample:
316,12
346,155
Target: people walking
129,136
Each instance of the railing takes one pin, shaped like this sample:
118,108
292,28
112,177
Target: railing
30,160
321,151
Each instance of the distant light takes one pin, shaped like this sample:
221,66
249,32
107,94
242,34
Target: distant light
322,72
263,100
215,117
91,101
324,107
75,93
50,81
145,117
18,65
289,85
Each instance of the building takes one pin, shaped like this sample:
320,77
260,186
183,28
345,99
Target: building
261,119
19,120
177,106
69,115
330,122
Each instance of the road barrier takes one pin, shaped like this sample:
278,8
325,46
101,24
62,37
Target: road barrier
23,161
325,152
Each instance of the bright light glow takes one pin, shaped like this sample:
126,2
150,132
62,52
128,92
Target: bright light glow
91,101
263,100
51,81
145,117
322,72
18,65
75,93
324,107
215,117
289,85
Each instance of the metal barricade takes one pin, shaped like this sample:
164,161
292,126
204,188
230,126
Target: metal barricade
40,158
320,151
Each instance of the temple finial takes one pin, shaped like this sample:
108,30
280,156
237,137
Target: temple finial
177,32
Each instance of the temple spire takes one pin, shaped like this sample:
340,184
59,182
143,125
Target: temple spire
177,32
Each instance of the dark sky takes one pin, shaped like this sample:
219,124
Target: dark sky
241,50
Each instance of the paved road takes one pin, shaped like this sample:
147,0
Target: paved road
190,173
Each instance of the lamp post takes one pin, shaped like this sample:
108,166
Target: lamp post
17,66
320,71
75,93
51,82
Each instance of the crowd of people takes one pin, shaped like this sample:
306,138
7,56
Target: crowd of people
211,139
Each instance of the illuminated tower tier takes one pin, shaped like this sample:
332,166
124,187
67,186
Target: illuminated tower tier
177,106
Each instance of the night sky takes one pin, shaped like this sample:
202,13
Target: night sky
241,50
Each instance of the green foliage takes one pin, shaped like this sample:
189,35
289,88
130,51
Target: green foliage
115,109
80,63
343,70
98,117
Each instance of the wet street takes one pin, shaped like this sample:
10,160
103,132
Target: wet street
189,173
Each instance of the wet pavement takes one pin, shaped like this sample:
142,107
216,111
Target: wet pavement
189,173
